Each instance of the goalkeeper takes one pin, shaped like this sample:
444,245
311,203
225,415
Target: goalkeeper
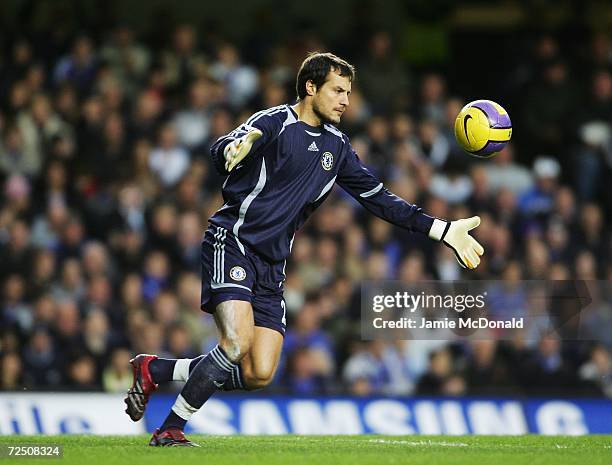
281,164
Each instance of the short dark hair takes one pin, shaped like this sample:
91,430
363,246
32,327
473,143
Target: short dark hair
317,66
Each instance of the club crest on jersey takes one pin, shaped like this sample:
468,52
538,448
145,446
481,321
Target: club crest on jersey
327,161
237,273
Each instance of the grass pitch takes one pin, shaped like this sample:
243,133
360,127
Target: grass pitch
324,450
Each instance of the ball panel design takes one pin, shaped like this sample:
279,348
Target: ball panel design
489,110
490,149
503,121
500,135
460,134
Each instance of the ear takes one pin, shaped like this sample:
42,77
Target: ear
311,88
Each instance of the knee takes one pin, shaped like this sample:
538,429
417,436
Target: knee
236,347
257,378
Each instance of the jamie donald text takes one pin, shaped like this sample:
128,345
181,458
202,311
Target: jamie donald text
446,323
427,311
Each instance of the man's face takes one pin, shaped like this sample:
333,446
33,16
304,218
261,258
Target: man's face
332,98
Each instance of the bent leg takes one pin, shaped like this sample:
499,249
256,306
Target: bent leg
235,323
269,312
260,363
234,320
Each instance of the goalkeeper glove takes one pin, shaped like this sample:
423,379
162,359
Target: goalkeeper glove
239,148
454,234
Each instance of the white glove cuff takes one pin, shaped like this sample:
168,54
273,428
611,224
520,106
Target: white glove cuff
437,229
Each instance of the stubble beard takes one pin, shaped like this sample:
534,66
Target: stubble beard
324,118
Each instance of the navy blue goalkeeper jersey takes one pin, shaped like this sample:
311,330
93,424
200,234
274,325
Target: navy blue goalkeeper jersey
287,174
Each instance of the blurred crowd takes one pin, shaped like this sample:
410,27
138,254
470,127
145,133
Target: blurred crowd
107,187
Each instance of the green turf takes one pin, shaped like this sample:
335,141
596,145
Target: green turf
323,450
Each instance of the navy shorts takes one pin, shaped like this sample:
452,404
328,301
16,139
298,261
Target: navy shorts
232,272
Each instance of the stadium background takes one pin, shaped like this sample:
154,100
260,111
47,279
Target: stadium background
107,113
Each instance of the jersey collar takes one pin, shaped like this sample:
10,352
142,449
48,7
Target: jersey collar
306,125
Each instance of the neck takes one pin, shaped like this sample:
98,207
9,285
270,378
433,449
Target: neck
306,113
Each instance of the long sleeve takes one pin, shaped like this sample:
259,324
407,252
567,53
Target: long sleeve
263,120
357,180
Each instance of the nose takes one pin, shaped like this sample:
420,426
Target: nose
344,100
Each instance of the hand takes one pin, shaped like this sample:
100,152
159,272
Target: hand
455,235
238,149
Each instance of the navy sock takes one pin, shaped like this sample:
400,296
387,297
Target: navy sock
209,375
162,369
173,421
235,382
194,362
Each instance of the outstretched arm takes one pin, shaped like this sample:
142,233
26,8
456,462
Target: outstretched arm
361,184
243,143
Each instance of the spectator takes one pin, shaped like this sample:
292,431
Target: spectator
598,370
547,371
384,81
117,376
16,255
364,372
78,68
168,160
67,325
41,364
16,312
505,173
487,373
183,61
440,378
128,59
240,80
43,273
193,123
538,202
46,229
11,372
97,337
433,99
434,147
189,237
307,373
71,284
37,127
551,100
14,159
81,374
307,333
